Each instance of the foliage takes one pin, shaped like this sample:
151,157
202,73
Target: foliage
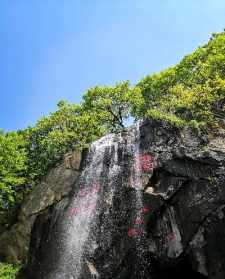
65,129
8,271
35,150
193,90
75,126
13,170
110,106
27,155
190,93
173,119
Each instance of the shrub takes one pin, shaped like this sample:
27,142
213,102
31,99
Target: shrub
8,271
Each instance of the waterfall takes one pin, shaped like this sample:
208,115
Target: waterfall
138,231
105,217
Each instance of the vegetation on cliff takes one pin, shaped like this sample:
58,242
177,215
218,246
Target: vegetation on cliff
190,93
13,161
8,271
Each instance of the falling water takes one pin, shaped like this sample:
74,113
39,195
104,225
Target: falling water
74,230
138,230
105,217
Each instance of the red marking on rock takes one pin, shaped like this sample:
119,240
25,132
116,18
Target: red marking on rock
147,162
171,236
74,211
132,232
139,221
87,207
96,188
82,193
144,162
90,206
145,209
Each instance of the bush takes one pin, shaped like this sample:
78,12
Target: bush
8,271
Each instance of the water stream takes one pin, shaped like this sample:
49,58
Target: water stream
104,224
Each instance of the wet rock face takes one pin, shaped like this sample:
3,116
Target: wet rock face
149,203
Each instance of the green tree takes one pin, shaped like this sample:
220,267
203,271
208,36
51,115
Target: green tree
109,106
13,161
8,271
193,90
27,155
66,129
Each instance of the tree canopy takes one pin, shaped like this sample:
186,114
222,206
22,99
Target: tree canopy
111,105
13,159
190,93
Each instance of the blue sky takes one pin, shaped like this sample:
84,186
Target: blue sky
56,49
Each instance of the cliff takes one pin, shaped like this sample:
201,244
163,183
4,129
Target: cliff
146,203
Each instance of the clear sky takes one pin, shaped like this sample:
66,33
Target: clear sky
56,49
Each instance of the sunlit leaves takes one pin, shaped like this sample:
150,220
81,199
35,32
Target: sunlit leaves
8,271
111,105
190,90
13,161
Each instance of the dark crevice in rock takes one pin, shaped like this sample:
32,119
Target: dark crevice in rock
180,268
201,224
